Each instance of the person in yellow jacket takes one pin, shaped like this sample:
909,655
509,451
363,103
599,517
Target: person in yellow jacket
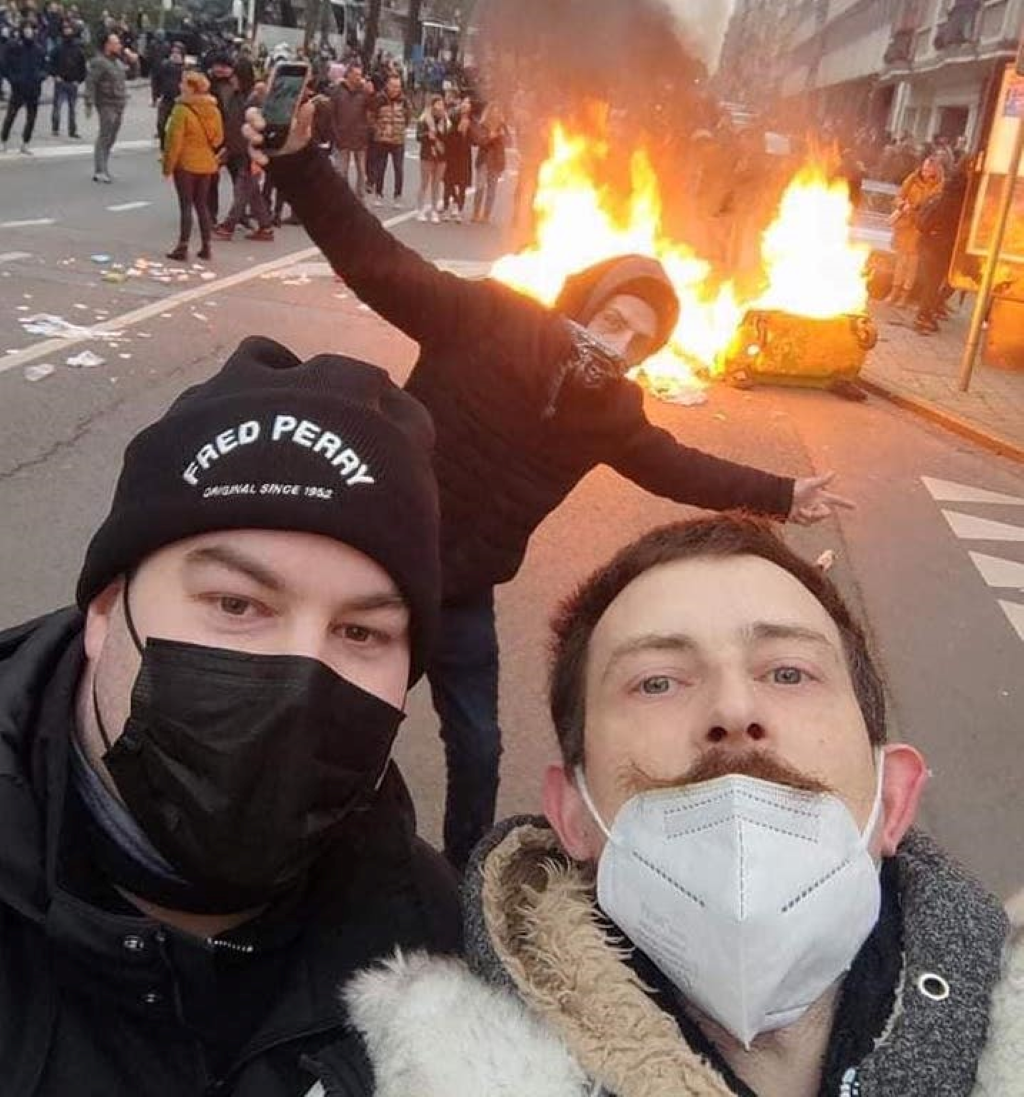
192,141
918,187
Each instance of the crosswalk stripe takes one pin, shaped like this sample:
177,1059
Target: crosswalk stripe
125,206
969,528
949,491
27,224
1015,612
998,572
14,256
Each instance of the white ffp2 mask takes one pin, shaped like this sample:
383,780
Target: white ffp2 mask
751,897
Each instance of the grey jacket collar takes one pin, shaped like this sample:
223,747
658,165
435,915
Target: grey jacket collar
954,937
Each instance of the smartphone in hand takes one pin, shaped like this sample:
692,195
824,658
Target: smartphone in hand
287,84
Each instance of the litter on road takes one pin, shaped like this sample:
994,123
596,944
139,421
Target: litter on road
45,323
38,371
85,360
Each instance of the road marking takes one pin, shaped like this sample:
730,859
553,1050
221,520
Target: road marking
125,206
949,491
1015,612
998,572
14,256
166,304
54,152
27,224
969,528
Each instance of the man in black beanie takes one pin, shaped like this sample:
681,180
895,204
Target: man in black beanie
526,401
202,827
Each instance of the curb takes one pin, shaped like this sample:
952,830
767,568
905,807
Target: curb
989,440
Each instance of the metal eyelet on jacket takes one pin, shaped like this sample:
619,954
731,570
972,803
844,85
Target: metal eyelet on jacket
134,943
932,986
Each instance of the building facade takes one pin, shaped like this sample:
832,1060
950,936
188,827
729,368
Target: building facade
917,66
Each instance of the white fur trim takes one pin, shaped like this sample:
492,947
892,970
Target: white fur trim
1001,1068
433,1030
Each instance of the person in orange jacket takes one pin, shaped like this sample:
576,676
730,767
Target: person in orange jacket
192,144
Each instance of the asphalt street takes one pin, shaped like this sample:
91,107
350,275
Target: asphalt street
933,556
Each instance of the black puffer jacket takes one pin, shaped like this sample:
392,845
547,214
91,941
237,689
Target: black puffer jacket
488,357
97,1001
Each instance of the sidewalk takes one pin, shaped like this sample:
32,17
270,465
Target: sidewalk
921,373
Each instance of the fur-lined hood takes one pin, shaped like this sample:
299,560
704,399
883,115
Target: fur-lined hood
547,1007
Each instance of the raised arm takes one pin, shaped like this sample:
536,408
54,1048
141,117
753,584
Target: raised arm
429,305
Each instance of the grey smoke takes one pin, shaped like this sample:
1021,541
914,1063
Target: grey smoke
703,24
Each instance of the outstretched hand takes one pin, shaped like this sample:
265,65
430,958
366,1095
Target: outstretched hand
299,136
812,502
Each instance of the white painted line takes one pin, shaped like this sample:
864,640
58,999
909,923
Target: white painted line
949,491
166,304
27,224
125,206
998,572
57,152
969,528
1015,612
14,256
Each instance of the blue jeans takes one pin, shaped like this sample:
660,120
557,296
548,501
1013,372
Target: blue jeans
464,682
64,91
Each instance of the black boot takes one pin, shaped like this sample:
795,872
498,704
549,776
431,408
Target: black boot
204,252
178,254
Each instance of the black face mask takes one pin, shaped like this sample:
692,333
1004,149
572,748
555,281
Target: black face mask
240,768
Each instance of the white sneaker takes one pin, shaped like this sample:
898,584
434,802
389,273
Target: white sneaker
26,151
435,217
378,201
422,215
396,203
3,147
457,217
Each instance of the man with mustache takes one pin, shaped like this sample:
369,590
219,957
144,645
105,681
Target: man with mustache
727,895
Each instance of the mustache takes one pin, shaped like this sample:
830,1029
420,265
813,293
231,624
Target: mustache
719,762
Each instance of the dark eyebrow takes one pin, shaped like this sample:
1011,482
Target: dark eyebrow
234,560
654,641
228,557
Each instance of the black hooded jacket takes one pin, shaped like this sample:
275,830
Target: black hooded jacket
98,1001
488,358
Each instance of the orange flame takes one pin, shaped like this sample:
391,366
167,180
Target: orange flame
810,266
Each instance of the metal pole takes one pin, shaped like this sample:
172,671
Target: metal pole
984,301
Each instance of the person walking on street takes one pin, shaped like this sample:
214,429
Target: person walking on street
526,400
106,88
458,161
194,133
391,116
491,137
68,67
921,185
248,195
349,111
166,85
431,131
25,65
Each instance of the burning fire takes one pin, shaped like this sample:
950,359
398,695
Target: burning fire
810,266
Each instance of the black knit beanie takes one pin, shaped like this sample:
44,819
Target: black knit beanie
329,446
